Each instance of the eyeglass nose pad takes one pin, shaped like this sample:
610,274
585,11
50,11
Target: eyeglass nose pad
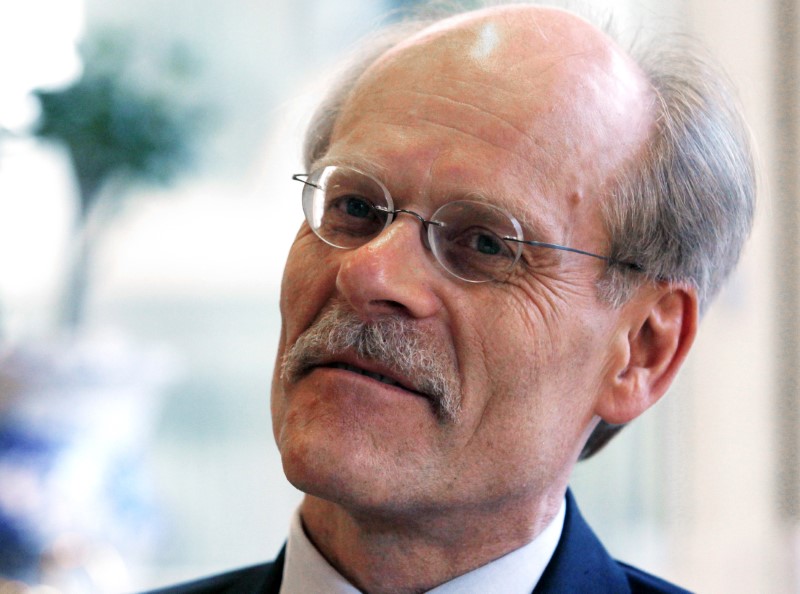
425,232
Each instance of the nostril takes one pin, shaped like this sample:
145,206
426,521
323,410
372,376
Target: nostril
394,306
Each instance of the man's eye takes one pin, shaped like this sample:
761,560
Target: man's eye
352,215
488,244
350,206
356,206
483,242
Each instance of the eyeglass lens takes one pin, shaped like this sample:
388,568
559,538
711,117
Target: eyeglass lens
347,209
469,242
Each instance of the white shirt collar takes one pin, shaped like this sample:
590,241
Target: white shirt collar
518,572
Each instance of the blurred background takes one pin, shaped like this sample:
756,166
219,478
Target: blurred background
146,209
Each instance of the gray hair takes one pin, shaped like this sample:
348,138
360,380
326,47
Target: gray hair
682,209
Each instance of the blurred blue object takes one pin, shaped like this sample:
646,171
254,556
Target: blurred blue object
74,491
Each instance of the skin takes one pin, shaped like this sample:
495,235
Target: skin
535,111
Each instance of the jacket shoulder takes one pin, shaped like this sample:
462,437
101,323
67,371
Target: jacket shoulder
582,564
642,582
257,579
248,579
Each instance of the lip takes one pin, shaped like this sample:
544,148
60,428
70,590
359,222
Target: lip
372,370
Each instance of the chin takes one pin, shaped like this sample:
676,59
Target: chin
348,467
336,477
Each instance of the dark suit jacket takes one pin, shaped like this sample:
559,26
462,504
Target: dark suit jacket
580,565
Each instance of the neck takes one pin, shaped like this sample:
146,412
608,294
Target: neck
415,552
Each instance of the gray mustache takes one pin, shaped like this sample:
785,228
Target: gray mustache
393,341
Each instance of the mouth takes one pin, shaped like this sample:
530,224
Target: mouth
395,352
380,377
384,379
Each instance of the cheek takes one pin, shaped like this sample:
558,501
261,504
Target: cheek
309,280
534,377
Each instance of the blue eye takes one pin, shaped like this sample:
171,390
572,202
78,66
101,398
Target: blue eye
357,207
478,241
488,244
349,216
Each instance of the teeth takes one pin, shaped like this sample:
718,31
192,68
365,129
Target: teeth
376,376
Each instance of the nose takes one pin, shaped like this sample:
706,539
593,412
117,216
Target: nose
392,274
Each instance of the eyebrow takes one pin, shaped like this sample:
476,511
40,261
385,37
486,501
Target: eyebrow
532,229
535,230
362,164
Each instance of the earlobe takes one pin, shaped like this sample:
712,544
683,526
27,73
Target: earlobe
661,324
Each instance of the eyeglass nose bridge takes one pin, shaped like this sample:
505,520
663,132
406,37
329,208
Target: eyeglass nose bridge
426,223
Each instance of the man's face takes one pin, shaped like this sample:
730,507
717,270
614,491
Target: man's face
461,116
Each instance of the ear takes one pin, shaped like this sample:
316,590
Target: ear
657,328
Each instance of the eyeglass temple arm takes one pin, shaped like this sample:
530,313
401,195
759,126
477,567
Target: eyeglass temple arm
632,265
303,179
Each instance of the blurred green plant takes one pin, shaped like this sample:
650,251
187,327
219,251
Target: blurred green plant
125,120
